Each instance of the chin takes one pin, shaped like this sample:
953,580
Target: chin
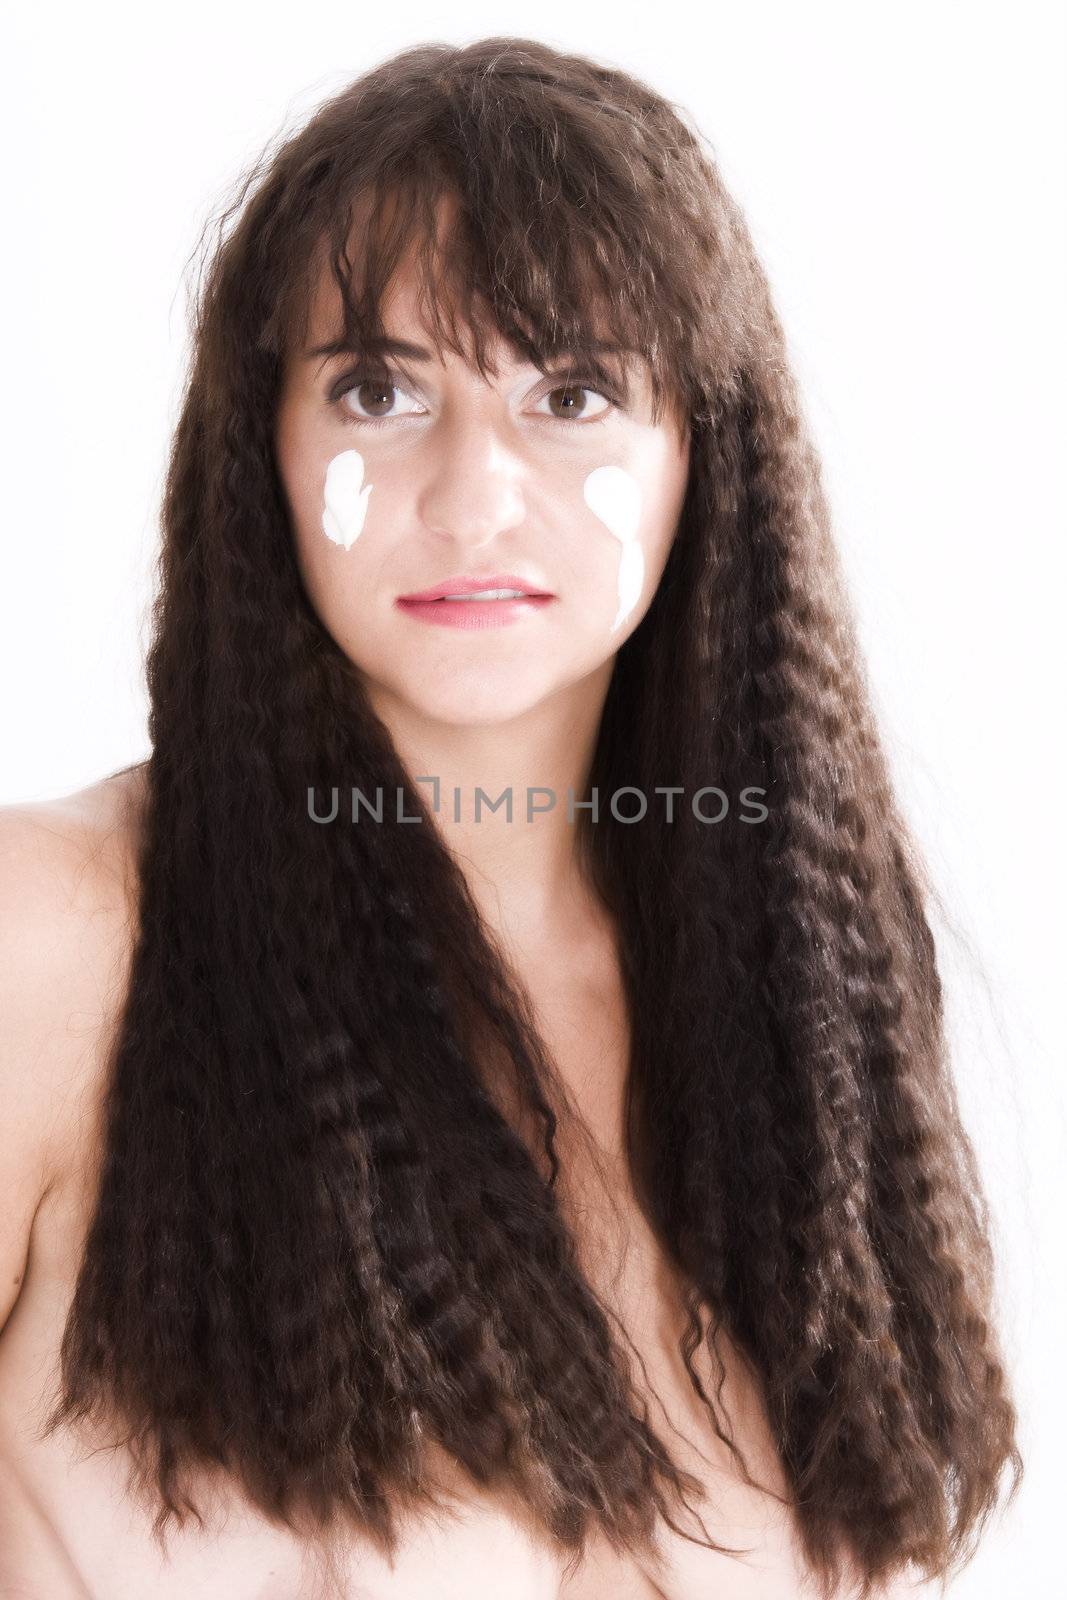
486,705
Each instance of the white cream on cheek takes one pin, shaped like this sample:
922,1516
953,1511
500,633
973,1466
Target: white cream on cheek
614,496
345,499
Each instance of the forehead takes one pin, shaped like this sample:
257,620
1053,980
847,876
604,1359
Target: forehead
400,306
404,315
417,275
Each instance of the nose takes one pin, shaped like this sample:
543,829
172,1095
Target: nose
472,490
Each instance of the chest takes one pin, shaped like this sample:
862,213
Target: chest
583,1017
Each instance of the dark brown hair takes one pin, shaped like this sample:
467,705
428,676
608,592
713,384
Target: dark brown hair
319,1241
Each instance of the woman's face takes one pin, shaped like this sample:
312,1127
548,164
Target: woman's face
404,472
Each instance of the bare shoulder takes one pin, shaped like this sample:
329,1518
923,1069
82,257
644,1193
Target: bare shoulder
67,925
68,882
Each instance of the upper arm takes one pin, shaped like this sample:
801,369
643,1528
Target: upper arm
58,964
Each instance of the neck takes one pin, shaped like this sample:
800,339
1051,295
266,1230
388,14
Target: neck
524,873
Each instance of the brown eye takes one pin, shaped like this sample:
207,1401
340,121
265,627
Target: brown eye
568,404
375,395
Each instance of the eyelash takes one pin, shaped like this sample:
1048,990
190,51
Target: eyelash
392,379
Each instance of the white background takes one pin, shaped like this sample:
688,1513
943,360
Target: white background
902,171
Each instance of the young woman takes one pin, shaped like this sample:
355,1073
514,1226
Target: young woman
478,1113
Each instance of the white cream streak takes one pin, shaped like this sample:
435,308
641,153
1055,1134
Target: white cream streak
615,497
345,499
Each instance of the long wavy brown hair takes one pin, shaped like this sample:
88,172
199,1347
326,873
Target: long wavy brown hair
320,1243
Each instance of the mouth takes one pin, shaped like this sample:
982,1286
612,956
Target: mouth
480,589
490,600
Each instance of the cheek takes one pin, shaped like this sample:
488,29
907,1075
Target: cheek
344,499
614,497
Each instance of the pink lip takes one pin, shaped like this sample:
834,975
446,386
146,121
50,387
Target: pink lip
475,613
468,582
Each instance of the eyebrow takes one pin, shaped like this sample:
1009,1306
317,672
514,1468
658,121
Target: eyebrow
381,346
386,345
